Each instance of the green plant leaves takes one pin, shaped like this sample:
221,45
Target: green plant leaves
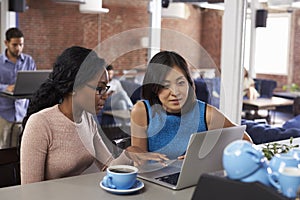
271,149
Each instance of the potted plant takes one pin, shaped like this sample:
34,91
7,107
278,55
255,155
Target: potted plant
293,88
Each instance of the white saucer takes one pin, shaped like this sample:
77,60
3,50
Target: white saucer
136,187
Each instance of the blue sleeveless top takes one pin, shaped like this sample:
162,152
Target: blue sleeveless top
169,133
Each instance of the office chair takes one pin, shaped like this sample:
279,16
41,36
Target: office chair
9,167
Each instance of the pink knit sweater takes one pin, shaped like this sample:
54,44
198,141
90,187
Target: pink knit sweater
54,147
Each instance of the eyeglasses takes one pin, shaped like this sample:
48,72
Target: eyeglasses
99,90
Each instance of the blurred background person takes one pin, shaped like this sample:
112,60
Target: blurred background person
12,60
249,90
117,97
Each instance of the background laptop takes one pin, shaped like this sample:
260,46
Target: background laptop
27,82
204,154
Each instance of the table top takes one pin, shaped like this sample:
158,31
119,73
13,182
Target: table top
287,142
25,96
87,187
123,114
288,95
265,103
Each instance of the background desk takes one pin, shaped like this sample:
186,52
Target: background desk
295,96
25,96
116,127
287,95
266,104
122,114
87,187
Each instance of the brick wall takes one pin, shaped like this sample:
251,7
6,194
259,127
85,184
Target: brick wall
212,34
122,26
50,27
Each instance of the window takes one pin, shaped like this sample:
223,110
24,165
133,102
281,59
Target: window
272,45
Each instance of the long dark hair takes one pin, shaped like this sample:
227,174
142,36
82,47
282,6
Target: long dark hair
157,69
72,69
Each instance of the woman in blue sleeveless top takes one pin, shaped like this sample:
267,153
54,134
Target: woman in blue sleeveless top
169,112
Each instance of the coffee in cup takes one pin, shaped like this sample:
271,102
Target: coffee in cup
120,177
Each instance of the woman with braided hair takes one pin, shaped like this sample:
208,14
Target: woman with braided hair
60,137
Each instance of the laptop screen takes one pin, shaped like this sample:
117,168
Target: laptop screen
29,81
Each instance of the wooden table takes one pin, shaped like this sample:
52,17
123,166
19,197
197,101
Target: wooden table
266,104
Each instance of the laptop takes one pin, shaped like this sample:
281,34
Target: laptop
27,82
204,154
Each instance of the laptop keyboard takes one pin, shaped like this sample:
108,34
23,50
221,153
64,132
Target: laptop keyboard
171,178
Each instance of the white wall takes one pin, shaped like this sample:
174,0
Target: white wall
7,20
232,59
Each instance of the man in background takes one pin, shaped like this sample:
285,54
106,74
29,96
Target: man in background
117,97
12,111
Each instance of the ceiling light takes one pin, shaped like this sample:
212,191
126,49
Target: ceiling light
216,6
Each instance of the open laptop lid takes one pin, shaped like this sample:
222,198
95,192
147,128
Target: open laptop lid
28,82
204,154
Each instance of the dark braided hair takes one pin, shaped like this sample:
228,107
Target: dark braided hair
72,69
